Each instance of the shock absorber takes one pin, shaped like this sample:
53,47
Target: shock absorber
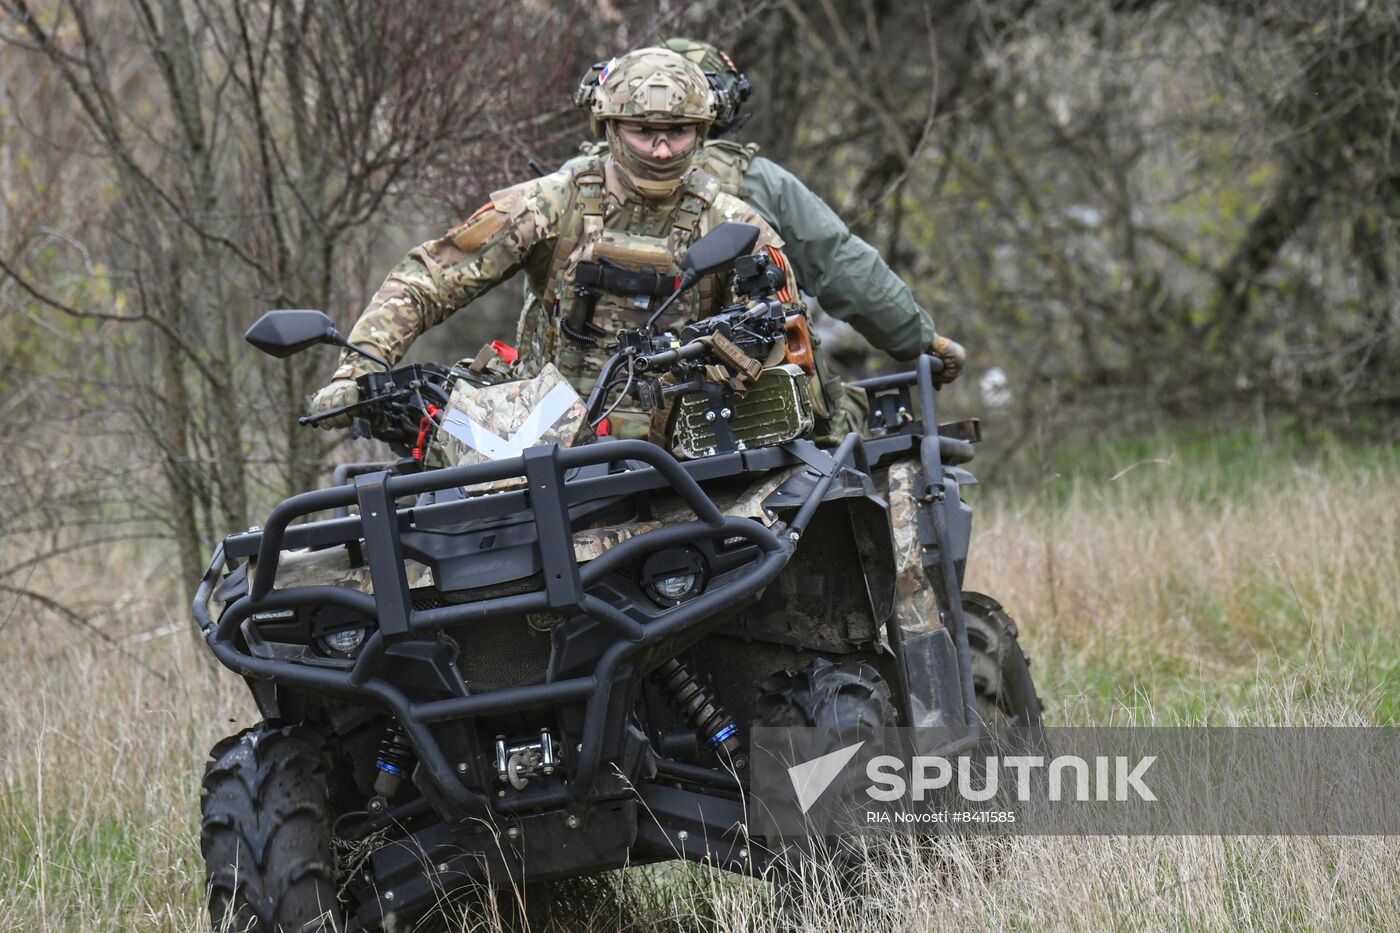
702,711
394,760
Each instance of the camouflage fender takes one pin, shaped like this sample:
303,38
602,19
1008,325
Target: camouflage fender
915,606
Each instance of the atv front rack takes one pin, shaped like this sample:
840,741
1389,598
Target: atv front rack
549,493
565,589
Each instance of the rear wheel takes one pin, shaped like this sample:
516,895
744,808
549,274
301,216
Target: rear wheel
1001,672
1010,711
266,833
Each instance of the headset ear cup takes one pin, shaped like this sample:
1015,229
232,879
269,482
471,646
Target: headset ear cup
722,102
587,91
731,89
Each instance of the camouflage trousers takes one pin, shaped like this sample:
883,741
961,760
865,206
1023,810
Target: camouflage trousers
915,606
850,413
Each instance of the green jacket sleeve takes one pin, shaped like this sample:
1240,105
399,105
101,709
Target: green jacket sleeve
842,271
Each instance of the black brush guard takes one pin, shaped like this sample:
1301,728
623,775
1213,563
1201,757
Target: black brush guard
565,587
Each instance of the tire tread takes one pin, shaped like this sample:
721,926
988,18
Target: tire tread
265,832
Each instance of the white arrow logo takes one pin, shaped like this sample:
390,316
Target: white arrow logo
811,778
477,436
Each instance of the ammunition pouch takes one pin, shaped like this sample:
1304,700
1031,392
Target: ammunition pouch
614,278
592,277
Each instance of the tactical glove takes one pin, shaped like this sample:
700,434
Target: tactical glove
953,356
335,394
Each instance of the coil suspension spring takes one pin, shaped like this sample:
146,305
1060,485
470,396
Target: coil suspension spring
394,760
702,711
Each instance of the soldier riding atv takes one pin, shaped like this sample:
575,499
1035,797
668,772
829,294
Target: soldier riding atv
528,650
534,645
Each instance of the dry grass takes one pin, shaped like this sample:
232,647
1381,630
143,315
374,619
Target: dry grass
1227,585
1230,582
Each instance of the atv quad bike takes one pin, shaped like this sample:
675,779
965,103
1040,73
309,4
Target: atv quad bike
528,651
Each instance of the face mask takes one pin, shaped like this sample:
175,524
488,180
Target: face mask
648,175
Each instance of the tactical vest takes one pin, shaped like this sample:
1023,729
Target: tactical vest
602,280
729,161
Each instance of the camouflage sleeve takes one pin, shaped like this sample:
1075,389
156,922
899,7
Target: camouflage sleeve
845,273
440,276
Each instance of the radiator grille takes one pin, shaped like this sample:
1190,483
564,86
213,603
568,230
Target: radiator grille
502,652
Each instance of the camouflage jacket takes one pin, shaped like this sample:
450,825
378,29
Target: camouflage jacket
842,271
518,229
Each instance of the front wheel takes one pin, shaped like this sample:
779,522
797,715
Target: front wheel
266,833
849,700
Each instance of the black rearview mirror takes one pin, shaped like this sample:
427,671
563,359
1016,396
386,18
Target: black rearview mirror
719,248
711,253
282,333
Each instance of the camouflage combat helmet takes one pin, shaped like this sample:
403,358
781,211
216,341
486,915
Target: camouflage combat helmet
653,85
731,85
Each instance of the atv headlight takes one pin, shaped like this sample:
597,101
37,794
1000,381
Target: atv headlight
346,640
673,576
676,586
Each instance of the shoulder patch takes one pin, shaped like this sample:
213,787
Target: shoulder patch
479,228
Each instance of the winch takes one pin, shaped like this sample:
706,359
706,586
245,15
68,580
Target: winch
517,762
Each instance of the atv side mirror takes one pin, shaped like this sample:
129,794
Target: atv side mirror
284,332
719,248
712,252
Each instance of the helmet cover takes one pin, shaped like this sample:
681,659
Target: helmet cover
653,85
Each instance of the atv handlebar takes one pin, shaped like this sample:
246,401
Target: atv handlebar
342,410
896,380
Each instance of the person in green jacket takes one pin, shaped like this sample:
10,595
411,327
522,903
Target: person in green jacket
844,273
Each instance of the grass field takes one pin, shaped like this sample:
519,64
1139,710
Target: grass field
1163,580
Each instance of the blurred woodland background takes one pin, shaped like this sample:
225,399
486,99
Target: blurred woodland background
1131,212
1166,231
